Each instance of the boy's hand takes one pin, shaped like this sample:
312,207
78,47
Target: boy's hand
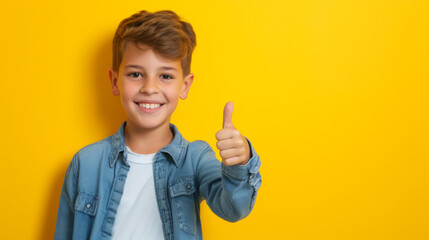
234,148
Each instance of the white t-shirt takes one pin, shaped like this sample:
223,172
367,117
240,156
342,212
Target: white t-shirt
137,216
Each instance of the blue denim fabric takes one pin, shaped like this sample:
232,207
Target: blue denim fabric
184,175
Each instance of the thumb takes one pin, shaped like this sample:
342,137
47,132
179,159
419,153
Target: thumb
227,115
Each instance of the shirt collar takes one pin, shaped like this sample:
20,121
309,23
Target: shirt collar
175,149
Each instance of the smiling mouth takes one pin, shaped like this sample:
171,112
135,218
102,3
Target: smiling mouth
149,105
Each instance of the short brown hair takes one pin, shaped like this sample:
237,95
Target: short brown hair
164,31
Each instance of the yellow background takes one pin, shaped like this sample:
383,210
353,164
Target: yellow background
333,95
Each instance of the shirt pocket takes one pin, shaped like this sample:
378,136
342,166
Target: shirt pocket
85,211
182,192
86,203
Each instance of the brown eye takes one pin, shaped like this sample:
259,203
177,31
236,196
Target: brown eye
166,76
134,75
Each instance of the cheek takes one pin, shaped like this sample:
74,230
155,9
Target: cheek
172,93
128,91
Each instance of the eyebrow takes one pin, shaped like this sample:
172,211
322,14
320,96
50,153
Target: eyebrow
142,68
169,68
134,66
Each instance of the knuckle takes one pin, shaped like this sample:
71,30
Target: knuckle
217,135
220,133
236,133
227,162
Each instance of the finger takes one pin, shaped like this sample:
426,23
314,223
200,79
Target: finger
227,115
229,143
232,161
231,152
227,133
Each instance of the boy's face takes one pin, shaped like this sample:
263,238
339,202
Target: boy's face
149,85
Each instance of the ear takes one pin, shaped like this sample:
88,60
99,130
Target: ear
114,82
187,82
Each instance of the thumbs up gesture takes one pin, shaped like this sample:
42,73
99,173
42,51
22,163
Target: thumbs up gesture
234,148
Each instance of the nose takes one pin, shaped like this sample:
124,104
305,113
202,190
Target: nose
149,86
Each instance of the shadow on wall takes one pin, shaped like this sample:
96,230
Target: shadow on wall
52,203
108,110
108,113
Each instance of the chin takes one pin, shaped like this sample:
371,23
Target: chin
150,124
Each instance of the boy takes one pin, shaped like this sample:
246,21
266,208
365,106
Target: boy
146,181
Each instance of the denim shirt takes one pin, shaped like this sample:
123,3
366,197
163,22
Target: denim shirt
184,175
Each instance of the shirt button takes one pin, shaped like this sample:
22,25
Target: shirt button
88,205
189,186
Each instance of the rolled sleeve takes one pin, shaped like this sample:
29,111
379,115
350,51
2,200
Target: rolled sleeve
248,172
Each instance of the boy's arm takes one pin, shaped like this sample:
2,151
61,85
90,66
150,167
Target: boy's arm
230,188
230,191
65,217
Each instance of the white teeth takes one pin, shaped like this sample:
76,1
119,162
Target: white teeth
149,105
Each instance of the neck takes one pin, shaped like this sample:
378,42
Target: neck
147,141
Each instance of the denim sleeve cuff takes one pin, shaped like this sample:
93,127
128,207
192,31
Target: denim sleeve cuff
244,172
248,172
